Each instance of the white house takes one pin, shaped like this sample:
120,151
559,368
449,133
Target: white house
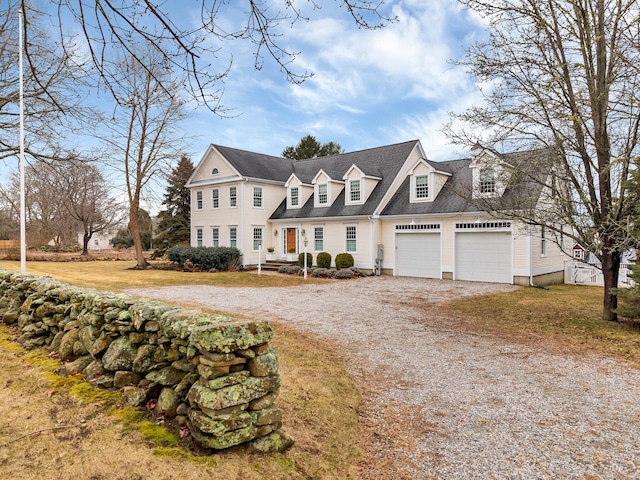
392,208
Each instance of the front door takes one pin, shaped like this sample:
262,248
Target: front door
291,240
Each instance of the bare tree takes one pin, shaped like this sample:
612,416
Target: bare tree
563,75
110,28
143,136
53,91
86,198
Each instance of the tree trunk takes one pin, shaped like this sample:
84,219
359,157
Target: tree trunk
610,271
134,225
85,243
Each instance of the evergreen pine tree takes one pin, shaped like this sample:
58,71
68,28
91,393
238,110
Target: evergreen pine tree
174,226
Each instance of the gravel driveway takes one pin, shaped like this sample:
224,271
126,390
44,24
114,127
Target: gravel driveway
453,405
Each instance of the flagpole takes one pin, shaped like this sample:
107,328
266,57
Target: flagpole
23,240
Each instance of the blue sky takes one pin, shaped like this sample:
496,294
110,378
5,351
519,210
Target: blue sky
369,88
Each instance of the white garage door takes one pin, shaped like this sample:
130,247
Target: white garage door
484,256
418,255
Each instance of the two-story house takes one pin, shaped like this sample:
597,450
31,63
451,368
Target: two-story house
391,207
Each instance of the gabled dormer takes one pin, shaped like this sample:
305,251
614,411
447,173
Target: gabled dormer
325,189
359,185
489,173
298,192
426,181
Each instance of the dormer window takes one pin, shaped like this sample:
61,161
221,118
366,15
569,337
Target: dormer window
422,187
323,197
354,190
295,199
487,180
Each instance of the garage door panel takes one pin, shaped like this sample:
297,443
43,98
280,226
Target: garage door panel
418,255
484,256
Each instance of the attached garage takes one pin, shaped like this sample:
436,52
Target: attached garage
484,256
418,254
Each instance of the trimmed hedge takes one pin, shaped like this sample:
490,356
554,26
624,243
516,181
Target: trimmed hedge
301,260
324,260
205,258
344,260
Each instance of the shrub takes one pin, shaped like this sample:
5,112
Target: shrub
324,260
344,260
344,273
301,260
629,298
290,269
205,258
322,272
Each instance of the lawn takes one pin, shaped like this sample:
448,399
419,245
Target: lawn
53,425
566,318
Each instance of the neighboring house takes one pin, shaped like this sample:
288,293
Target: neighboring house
393,209
99,241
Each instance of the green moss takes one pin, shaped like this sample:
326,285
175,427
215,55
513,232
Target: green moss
157,434
129,415
7,344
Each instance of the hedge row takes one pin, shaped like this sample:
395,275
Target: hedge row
205,258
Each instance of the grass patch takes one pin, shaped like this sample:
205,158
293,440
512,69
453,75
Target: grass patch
318,400
567,317
118,275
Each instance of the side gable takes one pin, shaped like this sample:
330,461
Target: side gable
213,168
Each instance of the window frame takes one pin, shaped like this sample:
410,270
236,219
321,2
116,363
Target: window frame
233,237
259,238
543,241
199,199
324,194
487,181
296,197
318,238
215,198
233,196
199,237
258,196
421,192
215,236
357,191
351,239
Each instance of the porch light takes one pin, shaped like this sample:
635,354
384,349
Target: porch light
275,232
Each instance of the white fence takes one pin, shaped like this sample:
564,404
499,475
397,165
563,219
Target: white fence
585,274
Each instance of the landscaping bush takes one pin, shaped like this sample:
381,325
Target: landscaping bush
301,260
205,258
344,260
629,298
290,269
344,273
324,260
323,272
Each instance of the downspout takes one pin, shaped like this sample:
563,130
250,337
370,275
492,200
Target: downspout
371,246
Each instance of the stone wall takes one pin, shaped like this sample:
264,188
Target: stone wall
216,374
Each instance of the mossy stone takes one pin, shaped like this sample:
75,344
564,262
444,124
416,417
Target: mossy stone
275,442
120,355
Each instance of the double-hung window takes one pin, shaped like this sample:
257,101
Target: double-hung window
257,197
199,237
215,237
257,238
543,241
294,196
215,198
487,180
351,235
354,189
233,197
233,237
318,238
323,197
422,186
199,200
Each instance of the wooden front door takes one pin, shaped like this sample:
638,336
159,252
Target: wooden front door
291,239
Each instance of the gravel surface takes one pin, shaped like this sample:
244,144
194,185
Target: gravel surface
452,405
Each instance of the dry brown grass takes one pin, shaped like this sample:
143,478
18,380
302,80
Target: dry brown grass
319,403
566,318
119,275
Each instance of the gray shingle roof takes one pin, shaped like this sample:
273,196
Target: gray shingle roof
455,195
257,165
384,162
